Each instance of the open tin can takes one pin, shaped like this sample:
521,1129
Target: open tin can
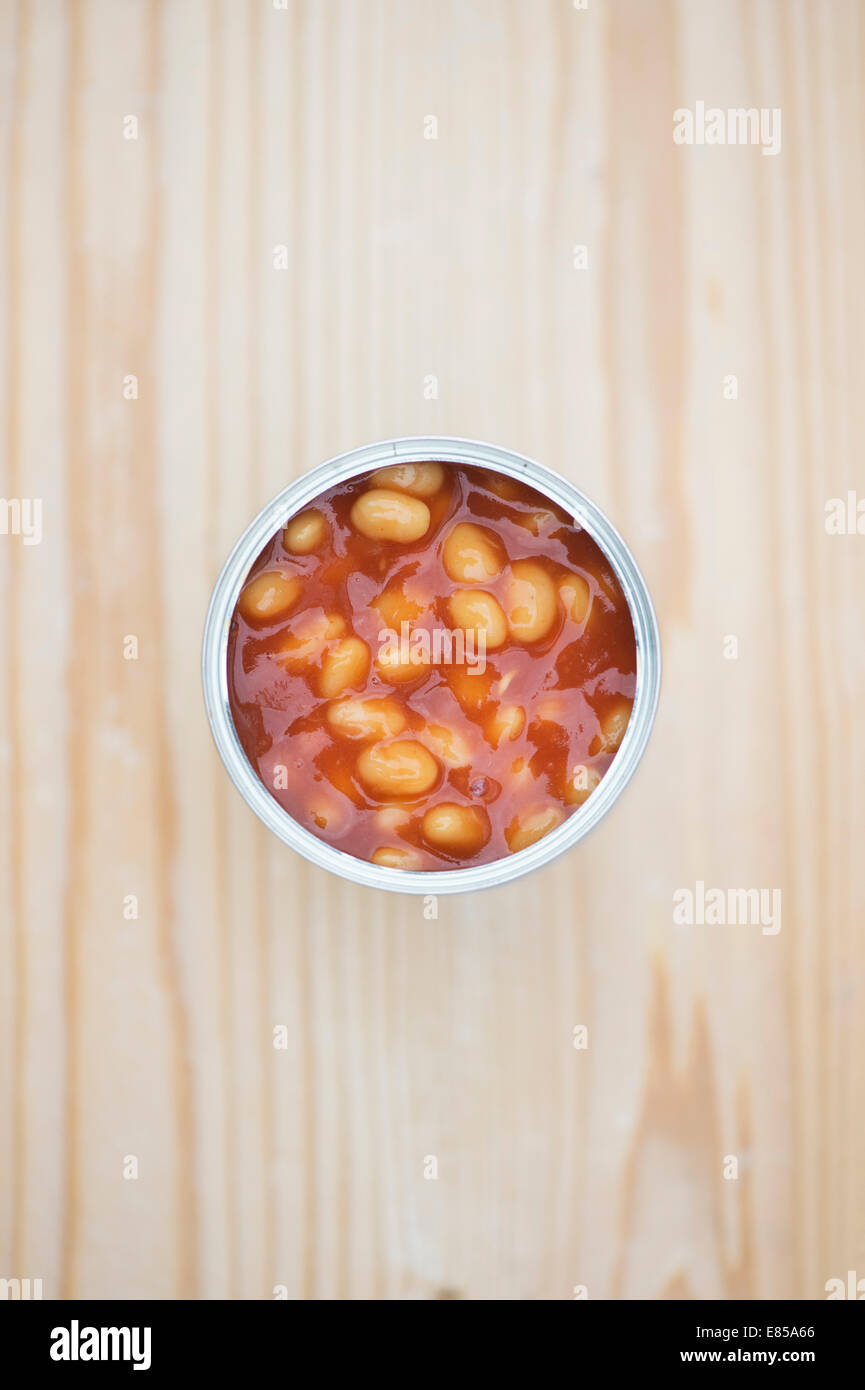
294,499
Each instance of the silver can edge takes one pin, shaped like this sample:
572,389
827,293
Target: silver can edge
448,450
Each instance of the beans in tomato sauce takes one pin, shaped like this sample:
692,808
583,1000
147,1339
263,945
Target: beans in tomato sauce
431,666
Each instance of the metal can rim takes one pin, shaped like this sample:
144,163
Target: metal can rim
292,499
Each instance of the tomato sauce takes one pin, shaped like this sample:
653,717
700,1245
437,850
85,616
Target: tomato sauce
379,731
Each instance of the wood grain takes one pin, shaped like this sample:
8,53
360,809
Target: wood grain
411,258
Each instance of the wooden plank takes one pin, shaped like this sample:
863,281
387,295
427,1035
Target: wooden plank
430,287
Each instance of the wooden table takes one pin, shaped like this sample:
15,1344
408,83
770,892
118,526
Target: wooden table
231,249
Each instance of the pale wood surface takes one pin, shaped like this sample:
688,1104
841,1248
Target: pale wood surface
408,258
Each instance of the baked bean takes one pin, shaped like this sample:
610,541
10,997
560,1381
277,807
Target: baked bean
476,611
445,761
580,784
552,709
356,718
305,532
455,829
394,606
472,554
303,643
530,826
392,818
522,777
420,479
395,857
613,722
403,768
575,595
344,665
385,515
269,596
506,724
448,745
391,667
470,685
537,522
502,485
530,601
